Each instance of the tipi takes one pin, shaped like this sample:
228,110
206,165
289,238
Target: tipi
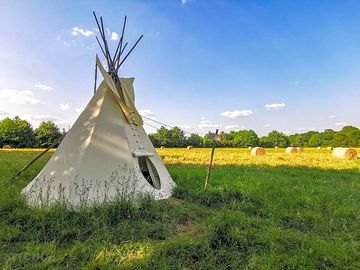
106,153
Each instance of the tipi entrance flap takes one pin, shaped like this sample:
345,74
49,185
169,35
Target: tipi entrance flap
107,77
131,114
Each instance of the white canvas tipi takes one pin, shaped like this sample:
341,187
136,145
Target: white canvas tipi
106,154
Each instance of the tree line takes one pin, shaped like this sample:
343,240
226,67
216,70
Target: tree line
348,136
18,133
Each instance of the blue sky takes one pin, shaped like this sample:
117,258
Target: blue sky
287,65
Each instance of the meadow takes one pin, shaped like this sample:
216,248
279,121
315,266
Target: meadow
276,211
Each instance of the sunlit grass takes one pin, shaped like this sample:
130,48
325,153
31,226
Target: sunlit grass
310,157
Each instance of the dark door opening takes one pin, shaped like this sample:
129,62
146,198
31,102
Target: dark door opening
149,172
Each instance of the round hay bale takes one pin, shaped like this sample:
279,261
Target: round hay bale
249,147
319,147
300,149
258,151
189,147
276,147
162,147
291,150
329,148
345,153
7,146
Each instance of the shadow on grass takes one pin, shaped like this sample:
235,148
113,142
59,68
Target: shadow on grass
251,217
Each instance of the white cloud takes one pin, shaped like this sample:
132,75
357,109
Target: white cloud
332,116
40,117
341,124
64,106
2,113
19,97
275,106
79,110
207,124
236,113
234,127
306,128
114,36
267,125
43,86
80,31
185,1
183,126
147,113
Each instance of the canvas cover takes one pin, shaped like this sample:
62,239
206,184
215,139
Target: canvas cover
98,160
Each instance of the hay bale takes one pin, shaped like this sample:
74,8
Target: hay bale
162,147
189,147
291,150
258,151
276,147
345,153
329,148
7,146
300,149
319,147
249,147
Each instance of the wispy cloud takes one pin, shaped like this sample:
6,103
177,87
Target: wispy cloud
64,106
275,106
340,124
184,2
267,125
76,31
237,113
332,116
2,113
147,113
79,110
19,97
306,128
43,86
234,127
207,124
183,126
114,36
41,117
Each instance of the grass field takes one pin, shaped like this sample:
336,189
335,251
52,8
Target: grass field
269,212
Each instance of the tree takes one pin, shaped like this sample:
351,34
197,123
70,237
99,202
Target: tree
195,140
245,138
296,140
347,137
177,137
154,140
207,142
315,140
47,133
327,137
227,139
169,137
16,132
275,138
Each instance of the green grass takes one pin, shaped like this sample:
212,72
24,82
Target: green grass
254,216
